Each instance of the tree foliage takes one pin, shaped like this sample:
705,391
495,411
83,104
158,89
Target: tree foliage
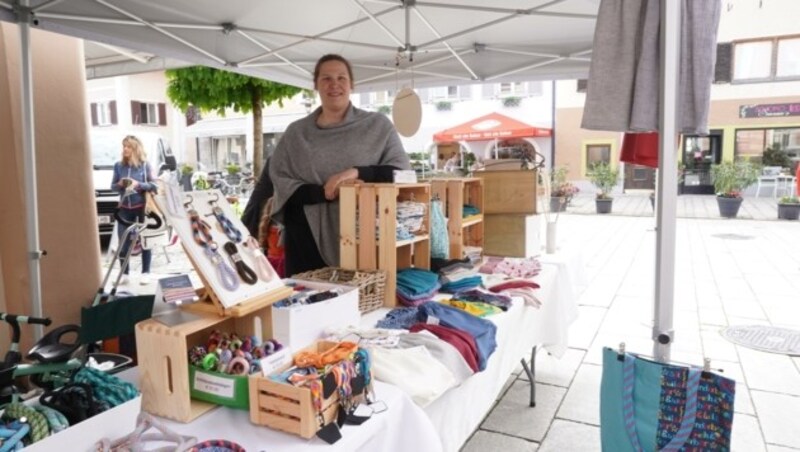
216,90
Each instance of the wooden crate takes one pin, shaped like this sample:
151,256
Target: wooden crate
290,408
509,191
164,362
512,235
454,193
362,250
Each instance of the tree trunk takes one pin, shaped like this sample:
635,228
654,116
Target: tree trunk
258,134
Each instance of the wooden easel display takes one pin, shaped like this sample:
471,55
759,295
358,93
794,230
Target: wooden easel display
163,350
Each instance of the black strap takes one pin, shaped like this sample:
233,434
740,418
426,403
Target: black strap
246,273
75,401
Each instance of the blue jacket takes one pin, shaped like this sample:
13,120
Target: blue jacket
141,174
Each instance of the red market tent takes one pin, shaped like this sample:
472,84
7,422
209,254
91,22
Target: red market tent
490,127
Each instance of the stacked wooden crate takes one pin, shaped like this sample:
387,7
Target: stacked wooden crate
455,193
511,226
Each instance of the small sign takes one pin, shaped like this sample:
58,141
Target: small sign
104,219
271,364
176,290
211,384
769,110
405,177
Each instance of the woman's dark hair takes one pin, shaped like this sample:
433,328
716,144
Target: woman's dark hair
333,57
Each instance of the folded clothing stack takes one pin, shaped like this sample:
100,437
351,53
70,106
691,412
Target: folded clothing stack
416,286
469,210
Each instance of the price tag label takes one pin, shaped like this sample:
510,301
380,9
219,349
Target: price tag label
274,362
212,384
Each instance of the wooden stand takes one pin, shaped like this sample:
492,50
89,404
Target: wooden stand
357,210
454,193
509,191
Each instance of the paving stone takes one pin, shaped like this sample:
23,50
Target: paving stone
571,436
483,441
583,330
746,436
769,371
556,371
582,403
513,416
778,415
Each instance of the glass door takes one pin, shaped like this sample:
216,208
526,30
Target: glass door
699,153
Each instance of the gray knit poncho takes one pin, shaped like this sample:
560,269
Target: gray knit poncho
310,154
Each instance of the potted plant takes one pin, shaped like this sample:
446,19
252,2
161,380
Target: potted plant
186,176
730,179
562,191
789,208
233,170
604,177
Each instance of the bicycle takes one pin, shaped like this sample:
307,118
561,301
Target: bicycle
54,361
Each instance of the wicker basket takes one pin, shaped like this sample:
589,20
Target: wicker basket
371,284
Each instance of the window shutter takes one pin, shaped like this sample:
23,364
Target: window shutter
582,83
136,112
93,112
162,114
112,112
722,68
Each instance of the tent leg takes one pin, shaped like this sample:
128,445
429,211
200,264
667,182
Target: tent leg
666,207
28,148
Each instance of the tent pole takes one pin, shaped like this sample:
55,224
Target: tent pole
663,333
28,149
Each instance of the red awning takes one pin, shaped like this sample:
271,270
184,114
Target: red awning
490,127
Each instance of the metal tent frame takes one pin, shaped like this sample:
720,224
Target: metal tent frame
428,43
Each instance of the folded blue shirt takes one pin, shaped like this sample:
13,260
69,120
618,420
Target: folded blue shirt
482,330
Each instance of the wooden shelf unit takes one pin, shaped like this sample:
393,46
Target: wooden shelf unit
371,207
454,193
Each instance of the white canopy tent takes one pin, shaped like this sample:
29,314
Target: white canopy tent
391,43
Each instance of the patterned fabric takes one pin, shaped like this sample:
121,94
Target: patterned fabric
440,241
712,426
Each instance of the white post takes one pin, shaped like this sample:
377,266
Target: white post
666,206
28,149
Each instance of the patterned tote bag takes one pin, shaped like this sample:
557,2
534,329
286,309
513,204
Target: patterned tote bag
650,406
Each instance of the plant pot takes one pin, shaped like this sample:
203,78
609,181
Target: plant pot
788,211
603,205
728,207
558,204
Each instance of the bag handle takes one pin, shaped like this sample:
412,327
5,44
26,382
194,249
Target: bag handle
628,411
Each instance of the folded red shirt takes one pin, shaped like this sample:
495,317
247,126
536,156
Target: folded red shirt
514,284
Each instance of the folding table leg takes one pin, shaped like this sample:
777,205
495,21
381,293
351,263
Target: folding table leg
531,373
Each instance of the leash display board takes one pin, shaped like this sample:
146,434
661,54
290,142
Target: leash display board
204,240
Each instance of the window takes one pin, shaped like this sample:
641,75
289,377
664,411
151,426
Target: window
382,98
597,153
444,92
753,142
148,113
511,89
768,59
103,113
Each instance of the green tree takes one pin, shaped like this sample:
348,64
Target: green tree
212,89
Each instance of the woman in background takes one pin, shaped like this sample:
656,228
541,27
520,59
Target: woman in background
132,178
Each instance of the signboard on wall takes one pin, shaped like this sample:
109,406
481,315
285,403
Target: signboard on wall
769,110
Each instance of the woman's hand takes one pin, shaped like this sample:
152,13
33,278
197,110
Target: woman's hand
333,182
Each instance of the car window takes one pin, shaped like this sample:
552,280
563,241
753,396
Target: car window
105,150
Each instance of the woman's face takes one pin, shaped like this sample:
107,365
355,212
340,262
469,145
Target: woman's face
127,149
334,85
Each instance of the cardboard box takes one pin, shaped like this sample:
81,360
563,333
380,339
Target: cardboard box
512,235
509,192
300,325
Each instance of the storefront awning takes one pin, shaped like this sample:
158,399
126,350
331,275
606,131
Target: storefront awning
490,127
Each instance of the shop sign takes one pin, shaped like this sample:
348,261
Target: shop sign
769,110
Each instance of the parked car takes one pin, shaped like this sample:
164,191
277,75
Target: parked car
106,150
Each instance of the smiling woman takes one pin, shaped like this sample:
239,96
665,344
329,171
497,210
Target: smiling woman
335,144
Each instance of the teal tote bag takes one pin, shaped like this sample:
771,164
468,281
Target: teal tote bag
649,406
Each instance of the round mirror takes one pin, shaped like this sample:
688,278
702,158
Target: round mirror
407,112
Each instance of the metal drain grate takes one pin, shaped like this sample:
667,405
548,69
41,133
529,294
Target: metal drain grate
765,338
733,236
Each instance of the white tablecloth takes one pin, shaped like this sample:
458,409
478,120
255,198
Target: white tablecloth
447,422
387,431
458,412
